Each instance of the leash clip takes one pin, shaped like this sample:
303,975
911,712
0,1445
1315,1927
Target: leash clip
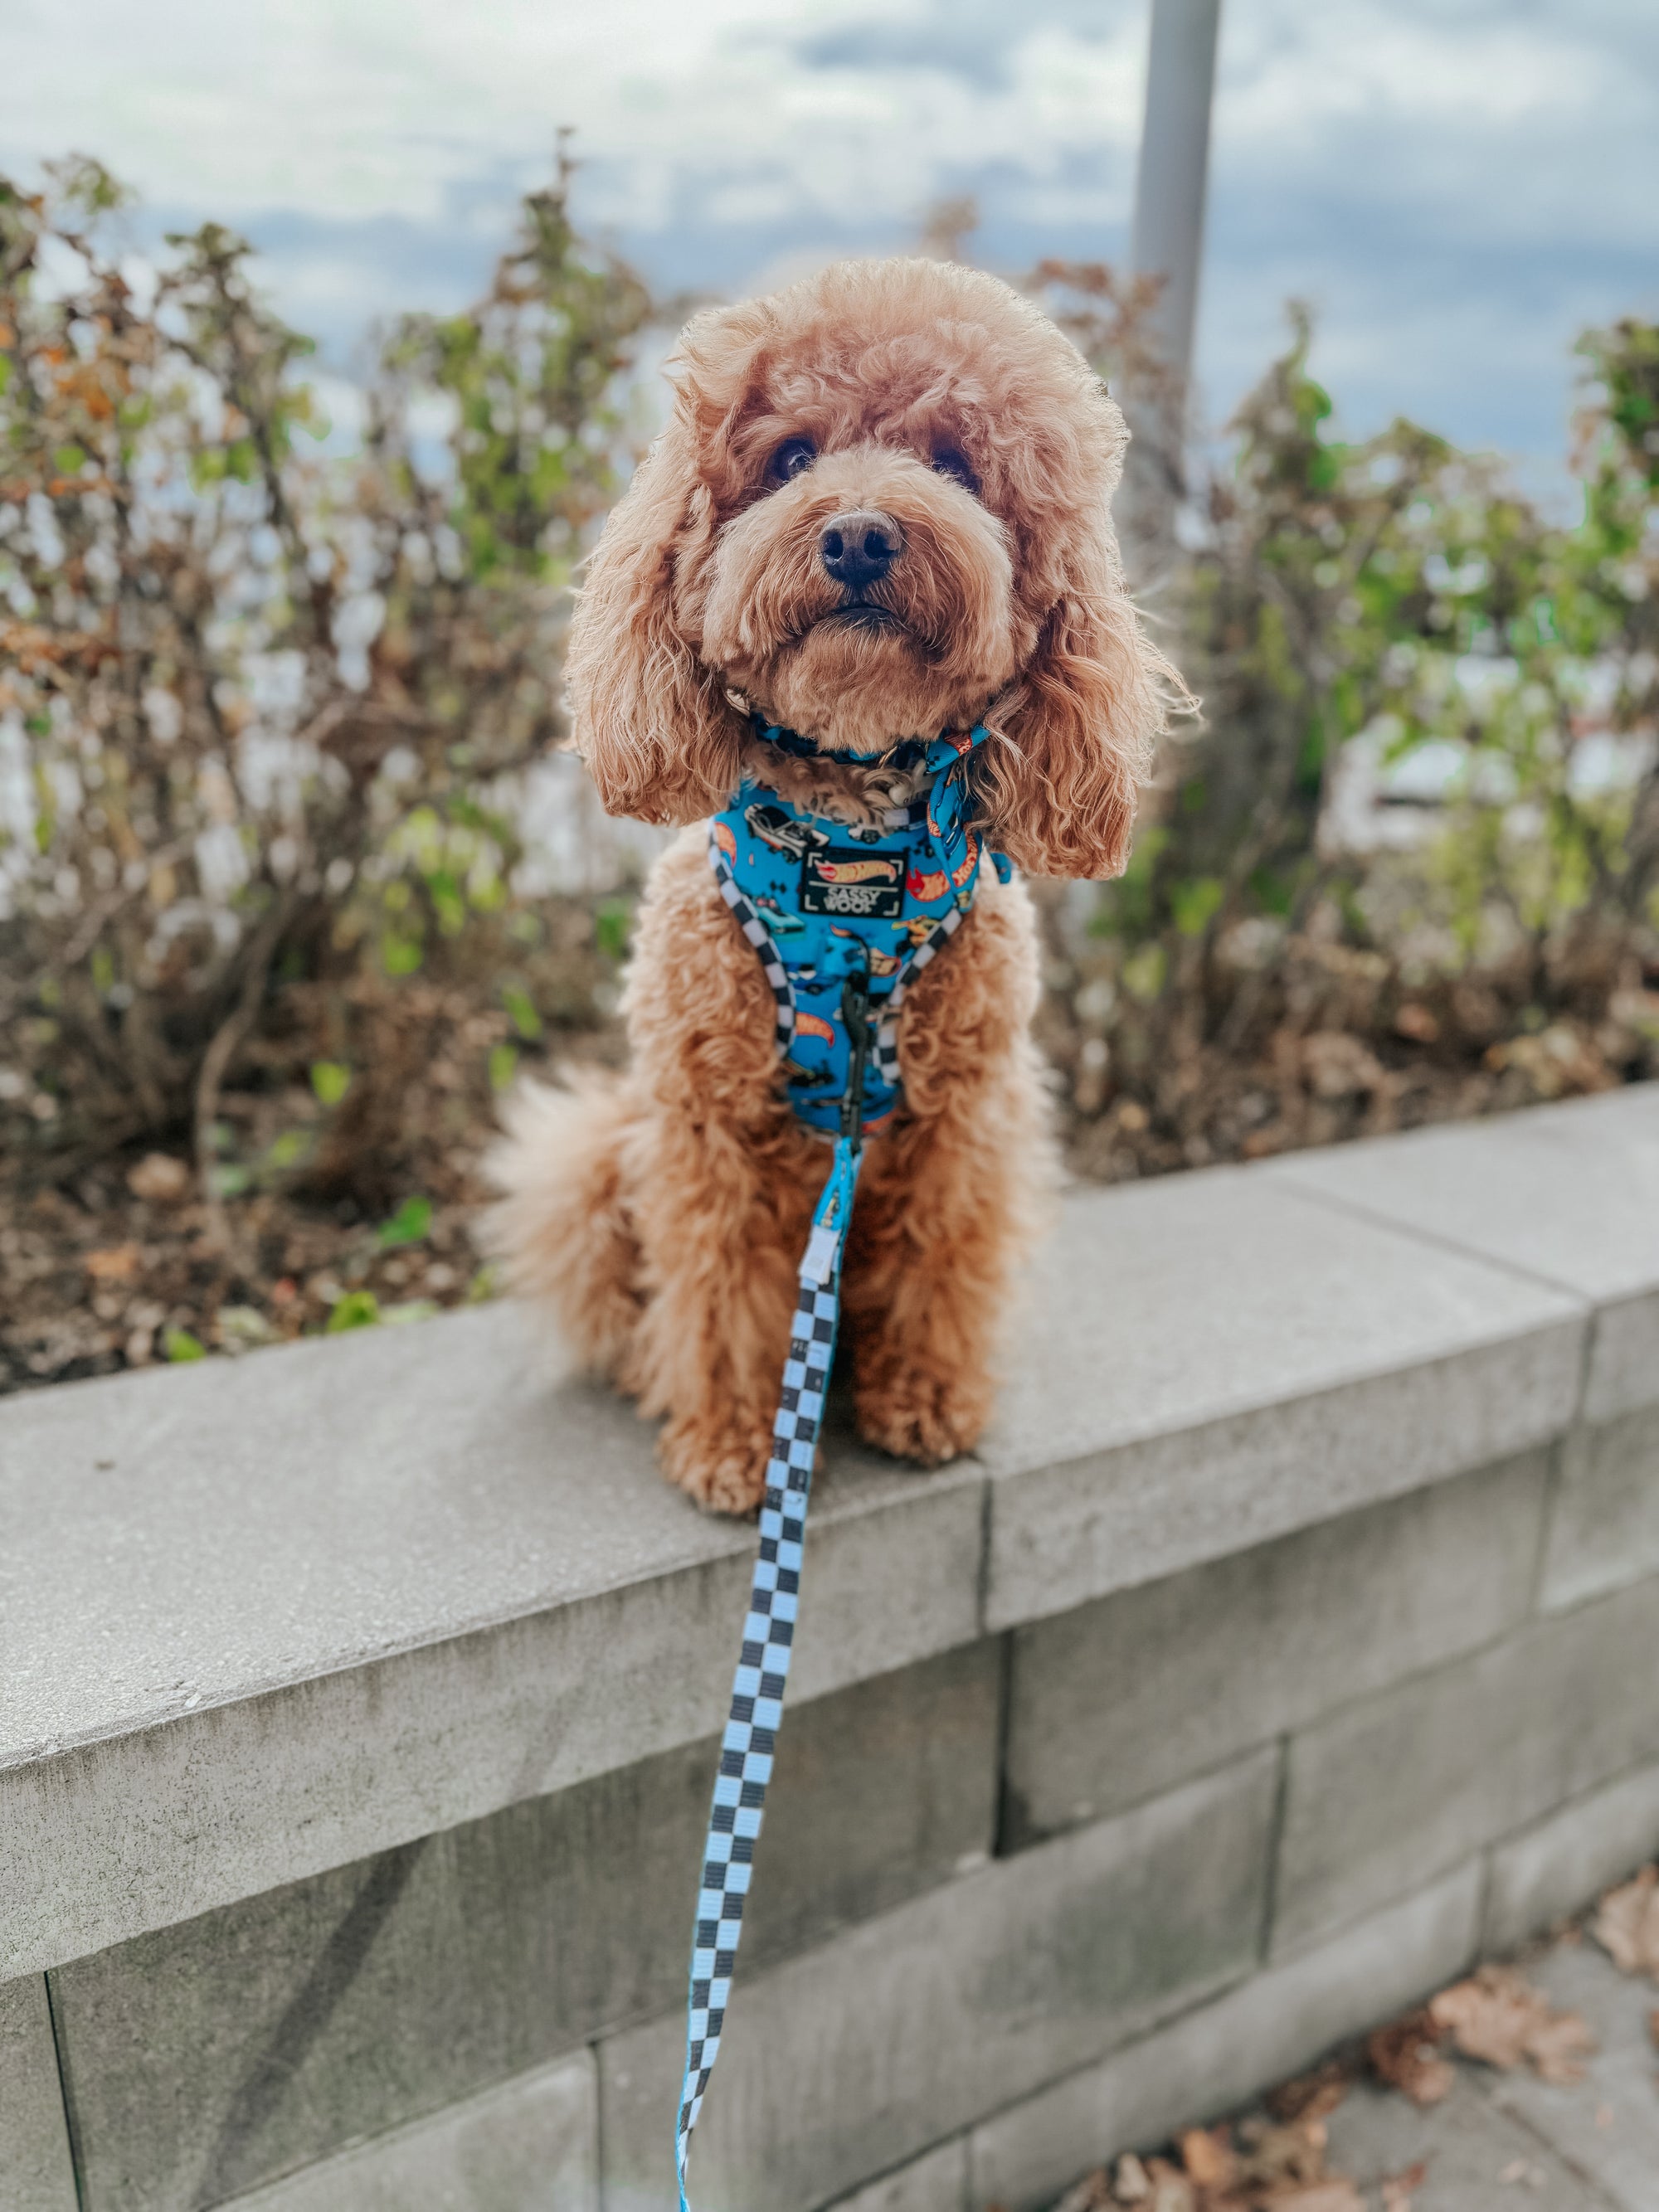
860,1030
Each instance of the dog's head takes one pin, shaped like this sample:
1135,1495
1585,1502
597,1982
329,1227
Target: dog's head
880,509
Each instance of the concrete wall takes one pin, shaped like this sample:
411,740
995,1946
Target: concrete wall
1290,1644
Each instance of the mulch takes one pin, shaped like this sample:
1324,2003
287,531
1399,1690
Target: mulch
347,1211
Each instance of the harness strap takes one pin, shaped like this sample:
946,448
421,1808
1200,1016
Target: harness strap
769,1637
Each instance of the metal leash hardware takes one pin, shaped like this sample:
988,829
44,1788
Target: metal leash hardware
768,1633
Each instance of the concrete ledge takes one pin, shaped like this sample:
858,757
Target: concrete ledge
980,1990
531,2144
1219,1360
261,1619
37,2173
1218,2055
1570,1196
1544,1875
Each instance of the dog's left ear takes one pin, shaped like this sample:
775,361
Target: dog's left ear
1074,741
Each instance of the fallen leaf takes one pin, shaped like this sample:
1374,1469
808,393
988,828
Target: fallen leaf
1405,2056
1132,2185
160,1177
1336,2195
1311,2096
1626,1924
1414,1021
1498,2017
1399,2189
1207,2157
1291,2154
1171,2191
116,1263
1337,1065
1089,2195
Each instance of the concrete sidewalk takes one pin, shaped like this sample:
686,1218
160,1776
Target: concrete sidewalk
1509,2143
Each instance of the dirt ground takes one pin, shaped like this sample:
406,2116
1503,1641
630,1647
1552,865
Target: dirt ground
346,1174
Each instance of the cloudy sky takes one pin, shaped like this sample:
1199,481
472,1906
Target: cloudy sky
1456,185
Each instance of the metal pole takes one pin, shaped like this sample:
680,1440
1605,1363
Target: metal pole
1167,241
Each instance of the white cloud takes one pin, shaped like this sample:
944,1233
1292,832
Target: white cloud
1457,183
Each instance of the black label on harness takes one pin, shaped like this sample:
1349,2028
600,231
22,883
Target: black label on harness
842,879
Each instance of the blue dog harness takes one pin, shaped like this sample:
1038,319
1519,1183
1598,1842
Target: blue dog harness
842,920
830,909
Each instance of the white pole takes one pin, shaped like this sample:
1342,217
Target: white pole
1168,241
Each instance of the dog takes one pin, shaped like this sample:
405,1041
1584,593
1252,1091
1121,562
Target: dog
880,511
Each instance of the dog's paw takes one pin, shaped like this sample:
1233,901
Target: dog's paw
918,1416
720,1462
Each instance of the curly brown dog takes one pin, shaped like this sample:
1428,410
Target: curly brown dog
663,1212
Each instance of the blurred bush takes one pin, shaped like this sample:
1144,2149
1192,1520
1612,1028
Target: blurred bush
1298,951
266,710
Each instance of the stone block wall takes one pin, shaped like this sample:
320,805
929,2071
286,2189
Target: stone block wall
1072,1874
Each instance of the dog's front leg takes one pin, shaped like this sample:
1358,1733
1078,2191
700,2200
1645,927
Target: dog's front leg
949,1199
721,1179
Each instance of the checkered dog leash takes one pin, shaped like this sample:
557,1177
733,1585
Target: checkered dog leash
757,1710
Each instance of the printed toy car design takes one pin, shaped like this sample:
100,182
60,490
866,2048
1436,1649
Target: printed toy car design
930,886
959,876
811,1025
725,841
778,919
855,872
881,964
781,831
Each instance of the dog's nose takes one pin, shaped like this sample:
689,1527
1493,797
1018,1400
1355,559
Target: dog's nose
858,549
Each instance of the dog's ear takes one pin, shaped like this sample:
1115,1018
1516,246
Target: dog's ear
654,724
1073,741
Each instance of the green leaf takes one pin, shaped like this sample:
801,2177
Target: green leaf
1144,972
400,955
288,1149
503,1066
330,1081
69,460
229,1178
411,1309
407,1225
1194,903
613,918
179,1344
244,1326
353,1309
521,1008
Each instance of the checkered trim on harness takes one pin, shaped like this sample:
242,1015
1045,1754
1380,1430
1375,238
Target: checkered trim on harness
749,921
887,1059
758,1687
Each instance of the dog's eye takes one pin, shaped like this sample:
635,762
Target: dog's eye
793,455
956,466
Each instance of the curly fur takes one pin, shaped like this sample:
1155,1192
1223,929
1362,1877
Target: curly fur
663,1212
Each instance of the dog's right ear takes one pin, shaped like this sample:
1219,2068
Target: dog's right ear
660,737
